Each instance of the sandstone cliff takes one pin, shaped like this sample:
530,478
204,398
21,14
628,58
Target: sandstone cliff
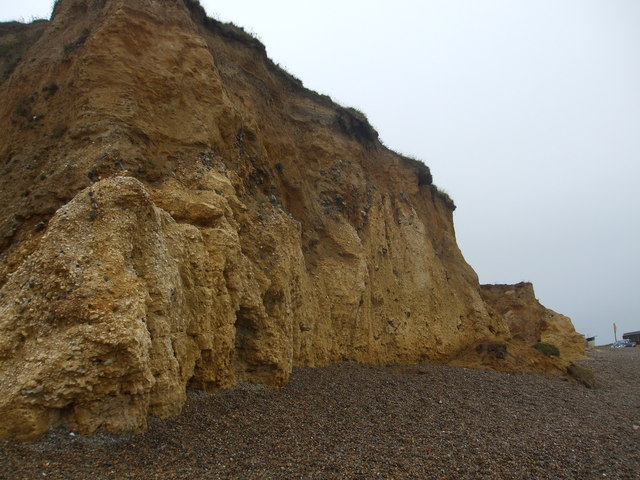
538,339
531,322
178,211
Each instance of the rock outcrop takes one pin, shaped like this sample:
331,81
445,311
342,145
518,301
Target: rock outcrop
532,323
539,339
178,211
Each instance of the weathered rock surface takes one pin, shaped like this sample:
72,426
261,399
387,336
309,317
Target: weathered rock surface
178,211
531,322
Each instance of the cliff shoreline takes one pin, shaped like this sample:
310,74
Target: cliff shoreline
178,212
355,421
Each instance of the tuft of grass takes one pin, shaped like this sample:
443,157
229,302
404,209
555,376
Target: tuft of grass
445,197
548,349
584,375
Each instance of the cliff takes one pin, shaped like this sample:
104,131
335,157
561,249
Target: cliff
538,339
531,322
179,211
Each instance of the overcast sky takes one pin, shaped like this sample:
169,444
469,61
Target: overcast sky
527,112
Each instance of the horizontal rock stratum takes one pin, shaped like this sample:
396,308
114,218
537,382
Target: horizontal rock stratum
179,211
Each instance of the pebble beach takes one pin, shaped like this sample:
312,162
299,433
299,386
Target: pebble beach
350,421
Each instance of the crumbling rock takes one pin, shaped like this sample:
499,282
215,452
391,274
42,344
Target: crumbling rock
180,212
531,322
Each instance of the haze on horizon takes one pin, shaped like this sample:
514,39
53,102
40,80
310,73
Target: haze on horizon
527,113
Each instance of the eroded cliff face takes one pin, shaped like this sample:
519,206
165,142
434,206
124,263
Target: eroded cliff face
178,211
533,331
531,322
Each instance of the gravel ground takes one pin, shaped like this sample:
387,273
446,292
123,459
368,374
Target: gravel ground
351,421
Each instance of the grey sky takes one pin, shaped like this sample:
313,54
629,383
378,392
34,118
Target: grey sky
527,112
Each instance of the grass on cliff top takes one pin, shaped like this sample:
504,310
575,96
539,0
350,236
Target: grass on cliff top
351,120
228,30
446,197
